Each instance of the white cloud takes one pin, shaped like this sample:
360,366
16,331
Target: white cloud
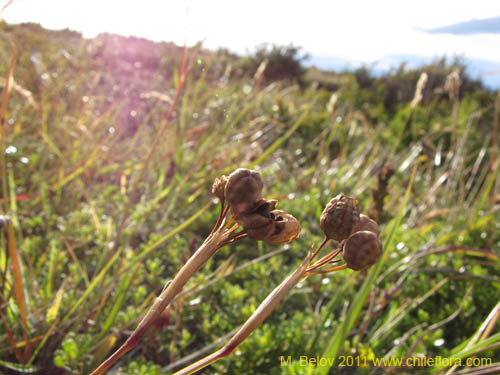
360,30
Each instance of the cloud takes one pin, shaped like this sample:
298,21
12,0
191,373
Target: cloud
475,26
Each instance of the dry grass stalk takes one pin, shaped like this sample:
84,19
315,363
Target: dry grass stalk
262,312
417,98
259,73
220,236
452,87
452,84
330,108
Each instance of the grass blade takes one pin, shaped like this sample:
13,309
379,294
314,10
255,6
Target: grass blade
121,294
92,285
280,140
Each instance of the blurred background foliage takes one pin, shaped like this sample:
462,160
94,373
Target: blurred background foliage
94,231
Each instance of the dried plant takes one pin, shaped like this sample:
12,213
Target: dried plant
452,84
419,90
452,87
358,240
242,190
380,192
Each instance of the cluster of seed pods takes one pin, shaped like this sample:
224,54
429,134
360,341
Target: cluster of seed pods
260,219
357,233
341,219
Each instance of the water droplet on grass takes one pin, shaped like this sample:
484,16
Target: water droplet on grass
10,150
439,342
195,301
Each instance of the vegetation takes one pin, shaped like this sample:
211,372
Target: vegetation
110,147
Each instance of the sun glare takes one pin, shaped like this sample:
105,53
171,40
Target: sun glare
357,30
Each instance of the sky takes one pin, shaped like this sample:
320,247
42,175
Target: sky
355,30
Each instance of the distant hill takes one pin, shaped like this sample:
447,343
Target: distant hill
488,72
142,63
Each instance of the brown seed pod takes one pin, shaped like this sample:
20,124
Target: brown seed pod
265,206
243,189
261,209
258,227
361,250
366,223
339,217
287,228
218,186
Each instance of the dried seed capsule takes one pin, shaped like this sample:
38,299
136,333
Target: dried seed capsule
218,186
258,227
265,206
243,189
366,223
287,228
261,211
361,250
262,233
339,217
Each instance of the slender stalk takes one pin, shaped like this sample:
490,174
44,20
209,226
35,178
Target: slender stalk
267,306
325,260
262,312
3,125
328,270
202,363
319,248
207,249
223,212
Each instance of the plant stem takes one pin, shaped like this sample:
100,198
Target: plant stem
328,270
262,312
206,250
3,124
319,247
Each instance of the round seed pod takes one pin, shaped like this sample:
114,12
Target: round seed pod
339,217
287,228
219,186
242,190
366,223
361,250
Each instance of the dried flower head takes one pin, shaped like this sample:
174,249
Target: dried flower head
243,189
339,217
417,98
366,223
286,228
452,84
361,250
219,186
